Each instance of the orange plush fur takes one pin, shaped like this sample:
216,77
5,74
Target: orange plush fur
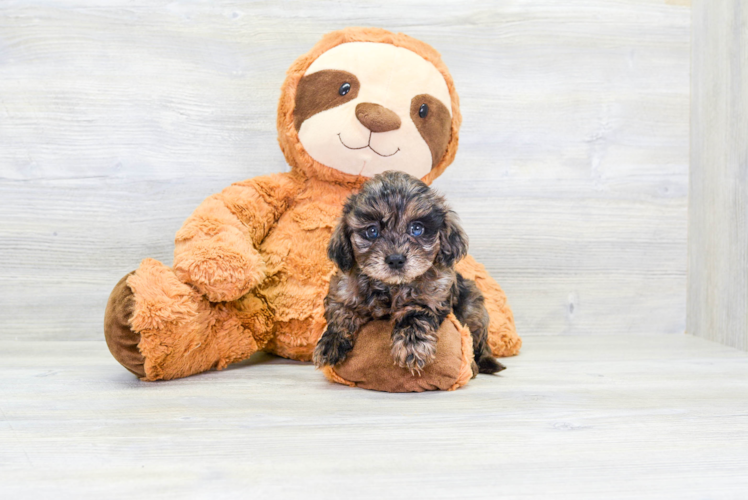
250,264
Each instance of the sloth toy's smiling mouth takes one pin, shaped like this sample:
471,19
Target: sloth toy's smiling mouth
368,145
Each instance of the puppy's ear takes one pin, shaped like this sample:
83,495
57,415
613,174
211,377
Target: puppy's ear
453,241
340,249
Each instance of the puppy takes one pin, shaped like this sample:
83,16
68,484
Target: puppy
395,247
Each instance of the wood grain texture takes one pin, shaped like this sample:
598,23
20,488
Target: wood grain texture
659,416
571,179
718,217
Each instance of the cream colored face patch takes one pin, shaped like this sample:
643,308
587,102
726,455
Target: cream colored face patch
398,119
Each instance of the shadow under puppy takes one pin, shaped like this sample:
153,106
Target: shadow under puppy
395,246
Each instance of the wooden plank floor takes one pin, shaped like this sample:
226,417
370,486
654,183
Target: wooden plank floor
572,417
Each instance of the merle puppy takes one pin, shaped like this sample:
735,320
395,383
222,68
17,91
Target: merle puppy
395,246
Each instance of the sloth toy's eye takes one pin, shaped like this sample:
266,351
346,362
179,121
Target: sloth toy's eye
344,89
424,111
416,229
372,233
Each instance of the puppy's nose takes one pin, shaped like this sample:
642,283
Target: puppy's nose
377,118
395,261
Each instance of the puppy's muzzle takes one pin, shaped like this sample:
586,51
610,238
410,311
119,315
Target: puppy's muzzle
396,261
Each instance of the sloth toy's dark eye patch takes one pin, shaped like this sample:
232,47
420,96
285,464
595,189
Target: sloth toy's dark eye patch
434,123
321,91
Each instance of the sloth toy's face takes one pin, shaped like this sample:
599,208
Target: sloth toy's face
364,108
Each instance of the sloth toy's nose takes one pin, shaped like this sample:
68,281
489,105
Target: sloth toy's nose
395,261
377,118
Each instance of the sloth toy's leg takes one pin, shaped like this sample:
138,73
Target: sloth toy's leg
159,328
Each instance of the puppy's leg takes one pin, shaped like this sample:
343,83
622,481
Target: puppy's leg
342,324
414,338
471,312
332,347
337,341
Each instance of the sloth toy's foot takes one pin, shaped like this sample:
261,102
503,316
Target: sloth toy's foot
120,337
160,328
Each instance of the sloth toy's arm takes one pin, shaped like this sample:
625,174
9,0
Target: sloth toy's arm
502,334
216,248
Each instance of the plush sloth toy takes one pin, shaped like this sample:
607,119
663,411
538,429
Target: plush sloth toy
250,264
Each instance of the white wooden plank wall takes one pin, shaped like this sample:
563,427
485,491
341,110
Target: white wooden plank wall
118,118
718,215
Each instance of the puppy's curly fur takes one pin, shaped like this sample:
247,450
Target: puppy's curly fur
395,248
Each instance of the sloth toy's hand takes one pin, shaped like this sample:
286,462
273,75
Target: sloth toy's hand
222,268
221,273
216,249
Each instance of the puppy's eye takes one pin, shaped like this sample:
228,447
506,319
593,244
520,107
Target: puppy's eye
344,89
416,228
372,233
424,111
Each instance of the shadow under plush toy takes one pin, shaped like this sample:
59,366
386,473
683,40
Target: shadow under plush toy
250,264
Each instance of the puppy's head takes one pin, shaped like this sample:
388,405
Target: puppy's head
395,229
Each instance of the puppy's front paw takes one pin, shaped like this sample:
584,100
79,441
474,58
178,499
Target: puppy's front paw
332,349
411,352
